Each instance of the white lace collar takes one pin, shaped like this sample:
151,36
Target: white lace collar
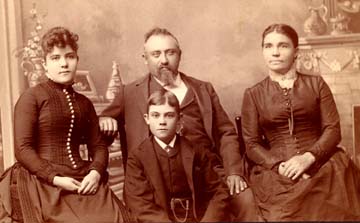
285,80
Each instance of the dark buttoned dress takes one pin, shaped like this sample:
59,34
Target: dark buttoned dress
51,121
280,123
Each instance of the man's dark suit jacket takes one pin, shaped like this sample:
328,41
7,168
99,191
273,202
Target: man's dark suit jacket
145,189
130,104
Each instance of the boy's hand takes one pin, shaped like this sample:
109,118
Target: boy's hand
236,184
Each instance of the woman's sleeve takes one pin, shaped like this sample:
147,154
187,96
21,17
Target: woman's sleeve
325,146
25,130
252,134
96,145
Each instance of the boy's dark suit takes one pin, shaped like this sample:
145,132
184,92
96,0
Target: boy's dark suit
146,195
129,106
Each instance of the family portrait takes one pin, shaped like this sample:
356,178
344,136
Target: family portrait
179,111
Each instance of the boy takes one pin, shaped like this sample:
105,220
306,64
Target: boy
167,178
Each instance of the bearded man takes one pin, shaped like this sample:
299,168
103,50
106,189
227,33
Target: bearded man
204,121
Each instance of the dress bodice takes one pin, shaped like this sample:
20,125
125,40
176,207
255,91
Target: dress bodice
61,126
290,118
293,121
51,121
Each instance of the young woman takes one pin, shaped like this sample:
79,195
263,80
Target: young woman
50,182
291,129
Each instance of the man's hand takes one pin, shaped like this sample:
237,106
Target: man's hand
90,183
66,183
296,166
108,126
236,183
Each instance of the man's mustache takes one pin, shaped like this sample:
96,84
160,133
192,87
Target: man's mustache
166,67
166,70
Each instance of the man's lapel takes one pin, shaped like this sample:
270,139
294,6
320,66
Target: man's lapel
203,99
142,93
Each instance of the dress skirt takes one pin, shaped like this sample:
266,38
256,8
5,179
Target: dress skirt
25,198
331,194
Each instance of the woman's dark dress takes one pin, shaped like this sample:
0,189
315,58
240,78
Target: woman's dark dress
50,123
333,191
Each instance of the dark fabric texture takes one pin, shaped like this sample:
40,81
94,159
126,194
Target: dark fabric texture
172,169
332,192
43,119
51,120
40,202
192,121
145,186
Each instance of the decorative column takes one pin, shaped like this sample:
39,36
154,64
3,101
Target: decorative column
12,83
115,83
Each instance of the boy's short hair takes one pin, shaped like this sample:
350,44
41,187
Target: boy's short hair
163,97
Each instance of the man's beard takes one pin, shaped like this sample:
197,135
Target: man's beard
167,77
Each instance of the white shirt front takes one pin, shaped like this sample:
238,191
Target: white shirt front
179,89
163,145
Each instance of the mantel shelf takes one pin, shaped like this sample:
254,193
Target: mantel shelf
343,39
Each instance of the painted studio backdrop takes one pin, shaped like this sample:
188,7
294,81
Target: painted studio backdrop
221,40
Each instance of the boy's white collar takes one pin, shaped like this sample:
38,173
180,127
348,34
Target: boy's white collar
163,145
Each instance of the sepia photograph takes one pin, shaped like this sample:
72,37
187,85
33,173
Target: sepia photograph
179,111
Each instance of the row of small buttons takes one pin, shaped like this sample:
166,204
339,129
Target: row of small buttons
68,140
288,104
286,93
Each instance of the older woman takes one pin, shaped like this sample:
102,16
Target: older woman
50,182
291,129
